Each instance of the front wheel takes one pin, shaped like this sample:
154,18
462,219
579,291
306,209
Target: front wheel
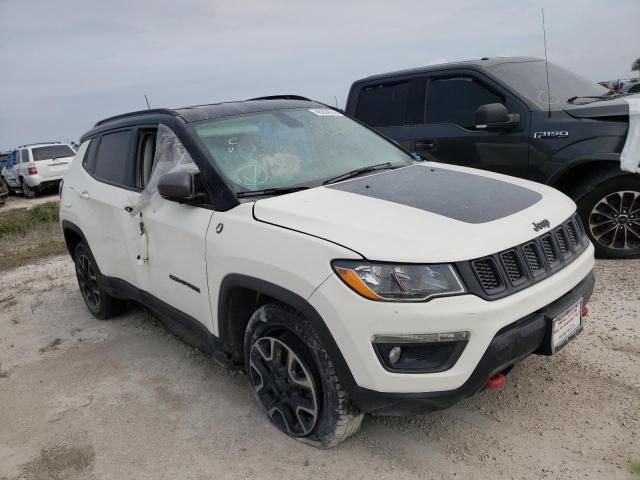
611,217
294,379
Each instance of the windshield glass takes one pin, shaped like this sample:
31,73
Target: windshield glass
530,80
293,147
51,151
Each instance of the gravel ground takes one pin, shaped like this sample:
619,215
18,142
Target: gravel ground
84,399
18,201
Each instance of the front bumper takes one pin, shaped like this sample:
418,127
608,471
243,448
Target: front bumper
354,321
510,345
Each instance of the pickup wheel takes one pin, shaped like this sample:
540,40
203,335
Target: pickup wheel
98,301
611,217
294,379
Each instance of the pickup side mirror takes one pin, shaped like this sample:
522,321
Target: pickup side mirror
181,187
495,116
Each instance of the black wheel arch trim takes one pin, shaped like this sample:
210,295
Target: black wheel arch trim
278,293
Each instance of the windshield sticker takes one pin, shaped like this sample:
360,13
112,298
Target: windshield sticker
325,112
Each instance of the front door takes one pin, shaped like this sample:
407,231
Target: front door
166,239
449,134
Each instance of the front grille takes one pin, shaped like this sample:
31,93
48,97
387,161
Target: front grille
488,274
549,249
534,259
520,267
513,266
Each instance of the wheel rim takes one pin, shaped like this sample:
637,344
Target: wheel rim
614,221
88,282
284,386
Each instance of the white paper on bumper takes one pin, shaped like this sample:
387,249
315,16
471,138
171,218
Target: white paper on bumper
630,156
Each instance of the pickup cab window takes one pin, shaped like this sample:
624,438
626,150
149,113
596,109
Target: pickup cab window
456,99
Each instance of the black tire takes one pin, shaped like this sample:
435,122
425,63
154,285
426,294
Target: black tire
27,191
610,214
336,418
101,305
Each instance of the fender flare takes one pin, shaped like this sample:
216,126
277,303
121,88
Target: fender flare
67,225
287,297
610,163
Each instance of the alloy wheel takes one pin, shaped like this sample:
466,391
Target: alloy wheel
614,221
284,386
88,282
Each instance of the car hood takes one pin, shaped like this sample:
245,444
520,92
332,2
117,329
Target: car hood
616,107
428,212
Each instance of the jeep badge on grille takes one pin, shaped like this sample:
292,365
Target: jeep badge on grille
537,226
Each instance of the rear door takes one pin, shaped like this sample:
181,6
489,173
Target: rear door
449,135
107,188
52,161
393,108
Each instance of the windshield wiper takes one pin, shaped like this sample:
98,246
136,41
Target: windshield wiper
359,171
606,96
270,191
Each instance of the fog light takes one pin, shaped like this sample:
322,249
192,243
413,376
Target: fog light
394,355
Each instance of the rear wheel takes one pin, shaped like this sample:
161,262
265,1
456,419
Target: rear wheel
27,191
611,217
98,301
294,379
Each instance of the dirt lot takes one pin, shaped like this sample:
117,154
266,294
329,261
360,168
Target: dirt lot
84,399
18,201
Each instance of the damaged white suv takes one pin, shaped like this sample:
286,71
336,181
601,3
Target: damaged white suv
343,274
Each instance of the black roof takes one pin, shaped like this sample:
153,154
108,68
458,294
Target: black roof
479,63
197,113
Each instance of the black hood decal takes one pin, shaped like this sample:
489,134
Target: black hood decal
462,196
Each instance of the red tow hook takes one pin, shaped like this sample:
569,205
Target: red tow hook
497,381
585,311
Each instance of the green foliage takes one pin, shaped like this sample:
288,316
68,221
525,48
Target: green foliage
634,467
635,66
21,220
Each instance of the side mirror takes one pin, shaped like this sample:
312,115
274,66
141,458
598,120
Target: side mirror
181,187
495,116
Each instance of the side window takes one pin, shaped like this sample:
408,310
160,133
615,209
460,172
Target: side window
455,100
145,156
24,156
112,160
88,162
383,105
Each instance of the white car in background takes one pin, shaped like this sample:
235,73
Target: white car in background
37,167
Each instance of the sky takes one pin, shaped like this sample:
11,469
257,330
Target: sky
69,63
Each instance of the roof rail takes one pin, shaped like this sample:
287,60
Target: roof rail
37,143
165,111
281,97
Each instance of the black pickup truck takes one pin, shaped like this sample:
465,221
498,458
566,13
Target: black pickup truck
497,114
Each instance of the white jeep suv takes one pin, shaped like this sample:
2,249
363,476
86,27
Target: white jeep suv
343,274
38,167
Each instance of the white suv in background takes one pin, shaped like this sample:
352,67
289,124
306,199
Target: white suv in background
343,274
37,167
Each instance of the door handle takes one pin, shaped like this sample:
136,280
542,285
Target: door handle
425,144
128,209
84,194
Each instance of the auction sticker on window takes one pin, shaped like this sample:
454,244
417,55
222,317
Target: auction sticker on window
566,326
325,112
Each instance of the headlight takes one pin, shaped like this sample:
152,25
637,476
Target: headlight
399,282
